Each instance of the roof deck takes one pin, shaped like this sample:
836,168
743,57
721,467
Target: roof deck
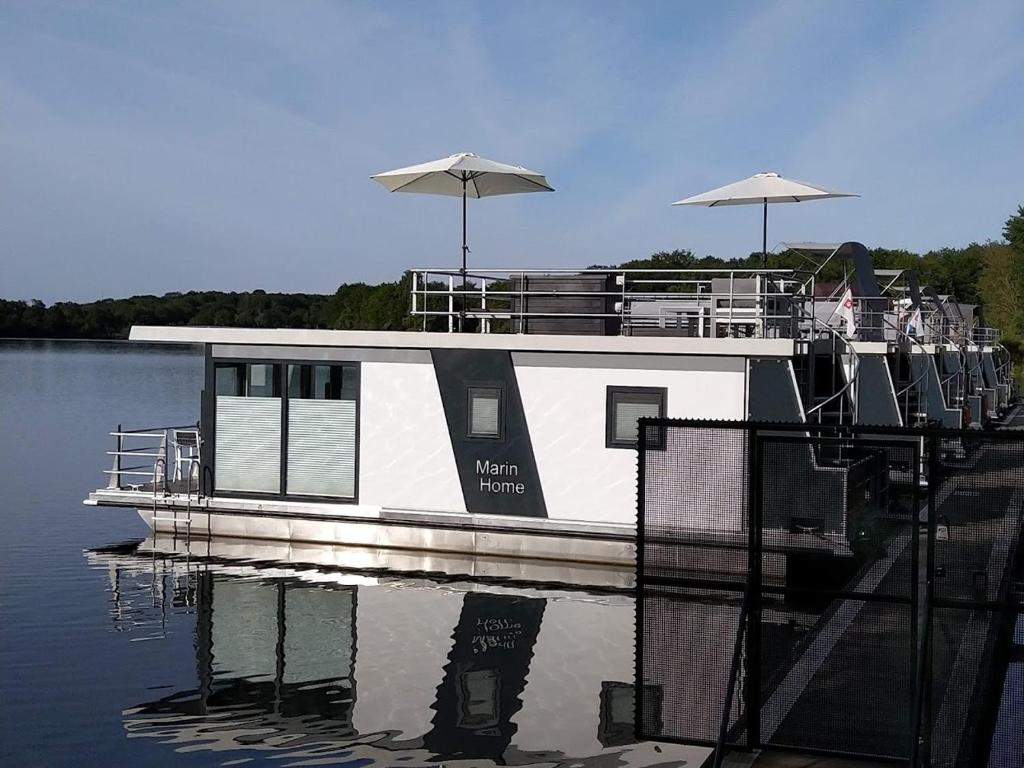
646,311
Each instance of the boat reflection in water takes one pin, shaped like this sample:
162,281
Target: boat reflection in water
335,666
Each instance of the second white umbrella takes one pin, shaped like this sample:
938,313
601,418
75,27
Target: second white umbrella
763,188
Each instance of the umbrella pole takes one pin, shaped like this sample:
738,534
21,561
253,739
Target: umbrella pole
465,250
764,236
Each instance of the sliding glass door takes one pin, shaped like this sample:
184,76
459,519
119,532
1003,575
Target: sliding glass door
248,450
287,429
322,416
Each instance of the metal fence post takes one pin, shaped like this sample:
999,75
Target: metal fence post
415,303
920,754
485,322
451,304
160,467
752,682
115,476
638,640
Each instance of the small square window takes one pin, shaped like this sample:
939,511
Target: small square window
625,407
486,413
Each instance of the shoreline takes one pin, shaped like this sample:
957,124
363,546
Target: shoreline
95,340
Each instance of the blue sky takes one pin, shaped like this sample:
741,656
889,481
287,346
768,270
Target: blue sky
151,147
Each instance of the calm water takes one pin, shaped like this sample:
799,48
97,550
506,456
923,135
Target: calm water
115,652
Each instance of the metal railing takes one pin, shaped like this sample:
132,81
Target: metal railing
696,302
915,383
138,444
988,337
147,453
848,388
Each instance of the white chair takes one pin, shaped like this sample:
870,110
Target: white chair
736,306
186,444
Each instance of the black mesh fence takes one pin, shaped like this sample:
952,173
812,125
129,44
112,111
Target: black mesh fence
833,590
834,518
695,486
688,620
688,659
974,710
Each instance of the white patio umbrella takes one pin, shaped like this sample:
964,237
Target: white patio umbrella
464,175
763,188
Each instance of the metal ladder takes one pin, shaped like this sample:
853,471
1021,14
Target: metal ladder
193,471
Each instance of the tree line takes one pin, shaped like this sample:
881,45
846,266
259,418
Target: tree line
990,274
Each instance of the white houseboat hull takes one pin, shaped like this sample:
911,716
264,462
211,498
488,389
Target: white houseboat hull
551,486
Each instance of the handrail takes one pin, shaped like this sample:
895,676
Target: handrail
954,374
912,340
947,339
490,272
158,470
921,377
855,358
985,335
979,367
1005,369
503,295
153,431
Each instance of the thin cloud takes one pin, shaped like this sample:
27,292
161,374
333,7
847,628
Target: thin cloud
154,148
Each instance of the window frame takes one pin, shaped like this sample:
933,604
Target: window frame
243,373
239,371
348,385
477,386
281,366
274,374
612,396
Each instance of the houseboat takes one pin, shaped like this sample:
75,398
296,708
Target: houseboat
507,425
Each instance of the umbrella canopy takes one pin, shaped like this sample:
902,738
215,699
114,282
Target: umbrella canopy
464,174
761,189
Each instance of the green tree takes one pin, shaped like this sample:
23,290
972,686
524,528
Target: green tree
1013,231
1013,330
1000,291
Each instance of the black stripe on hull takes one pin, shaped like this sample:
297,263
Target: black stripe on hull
498,476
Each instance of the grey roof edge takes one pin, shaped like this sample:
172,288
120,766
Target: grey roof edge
428,340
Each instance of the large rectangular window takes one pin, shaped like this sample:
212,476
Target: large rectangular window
323,411
287,429
625,407
248,428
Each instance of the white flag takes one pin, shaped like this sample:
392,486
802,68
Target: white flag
846,312
914,325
